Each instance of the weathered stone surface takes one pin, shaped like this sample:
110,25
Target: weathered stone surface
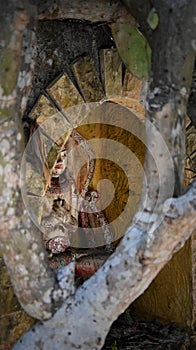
105,11
65,93
43,110
59,43
88,79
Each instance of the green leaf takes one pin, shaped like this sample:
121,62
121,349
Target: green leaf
153,19
133,49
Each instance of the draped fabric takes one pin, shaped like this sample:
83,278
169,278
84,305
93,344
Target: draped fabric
70,216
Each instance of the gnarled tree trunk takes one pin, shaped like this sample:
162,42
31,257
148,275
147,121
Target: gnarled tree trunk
84,316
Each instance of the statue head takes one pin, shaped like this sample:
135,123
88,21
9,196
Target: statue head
60,164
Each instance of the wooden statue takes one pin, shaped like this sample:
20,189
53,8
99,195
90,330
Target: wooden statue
73,228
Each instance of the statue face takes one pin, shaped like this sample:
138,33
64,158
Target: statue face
60,164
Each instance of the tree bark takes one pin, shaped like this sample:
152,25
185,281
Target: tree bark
173,54
34,283
93,11
84,320
191,110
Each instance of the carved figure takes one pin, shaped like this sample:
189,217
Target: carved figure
71,221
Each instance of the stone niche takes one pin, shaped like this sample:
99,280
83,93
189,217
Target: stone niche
80,82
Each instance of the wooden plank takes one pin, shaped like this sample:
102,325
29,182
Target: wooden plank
88,79
111,67
43,110
65,93
119,160
131,86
